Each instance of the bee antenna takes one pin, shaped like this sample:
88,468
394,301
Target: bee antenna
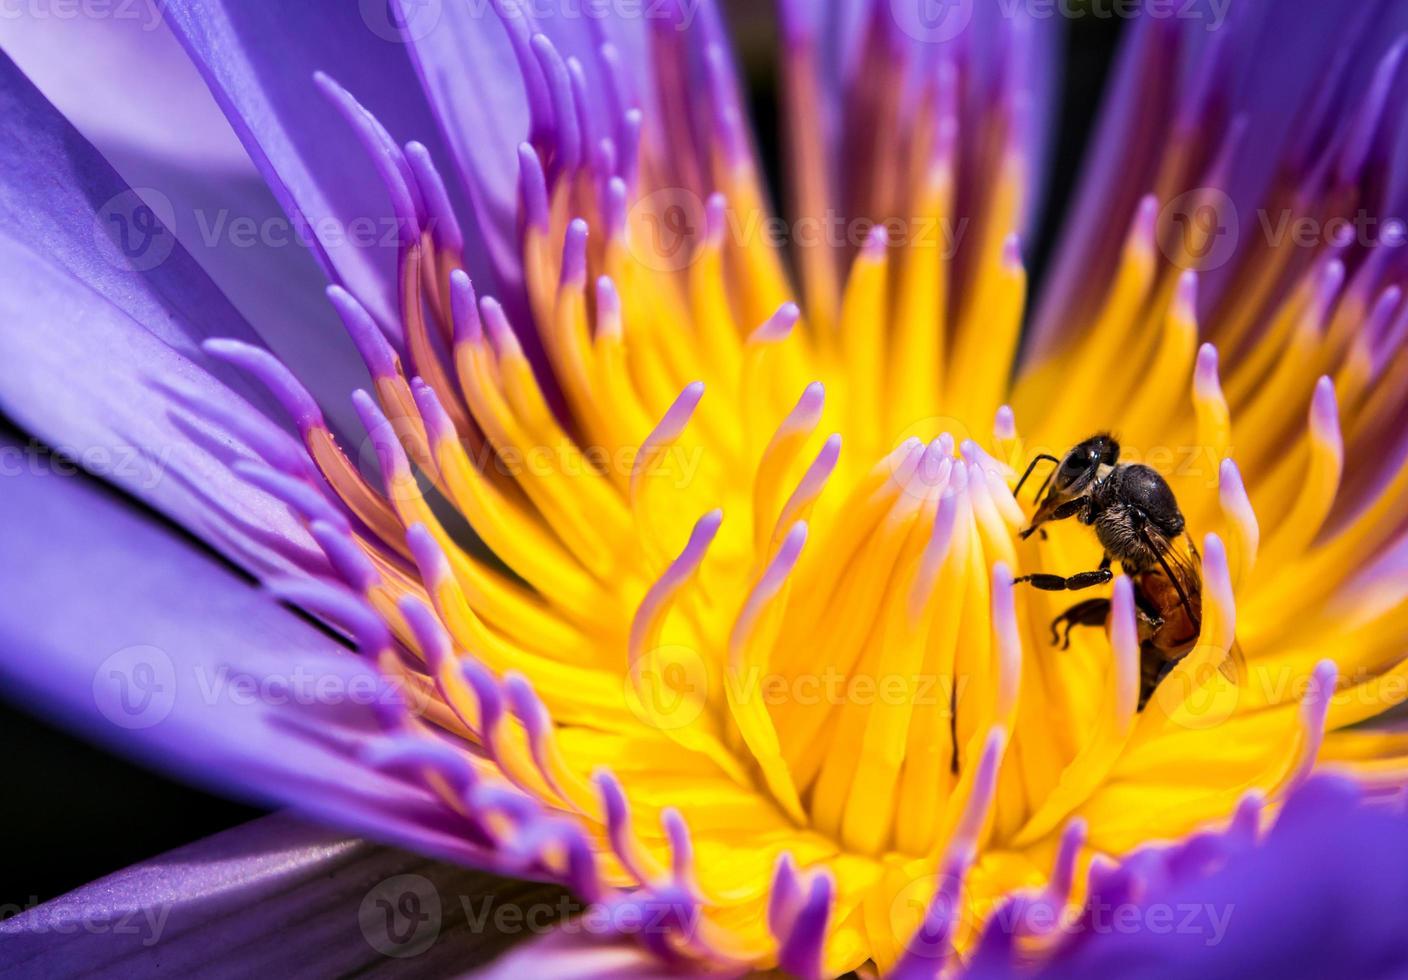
1031,466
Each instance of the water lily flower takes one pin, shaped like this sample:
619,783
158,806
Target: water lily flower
627,538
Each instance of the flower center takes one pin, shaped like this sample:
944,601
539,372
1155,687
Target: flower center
724,585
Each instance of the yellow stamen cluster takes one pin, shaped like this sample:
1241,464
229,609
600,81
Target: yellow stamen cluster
756,561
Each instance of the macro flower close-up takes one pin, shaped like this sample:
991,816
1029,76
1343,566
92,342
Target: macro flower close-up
690,488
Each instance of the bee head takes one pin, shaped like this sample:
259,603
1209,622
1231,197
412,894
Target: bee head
1081,465
1077,470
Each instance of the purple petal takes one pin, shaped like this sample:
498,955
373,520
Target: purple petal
102,302
106,75
1321,895
259,61
58,196
473,83
577,951
987,37
276,895
118,627
1319,87
487,97
83,376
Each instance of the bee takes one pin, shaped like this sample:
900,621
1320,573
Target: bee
1138,522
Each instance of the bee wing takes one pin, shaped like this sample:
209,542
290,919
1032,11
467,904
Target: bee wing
1184,568
1188,566
1234,665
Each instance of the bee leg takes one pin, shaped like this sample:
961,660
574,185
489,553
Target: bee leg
1069,583
1069,509
1153,668
1091,612
1146,617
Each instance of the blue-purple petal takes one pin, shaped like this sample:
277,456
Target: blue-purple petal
275,896
88,380
59,197
125,631
578,952
129,88
258,61
1323,894
1290,75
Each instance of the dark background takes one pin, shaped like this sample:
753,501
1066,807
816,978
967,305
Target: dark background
70,812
